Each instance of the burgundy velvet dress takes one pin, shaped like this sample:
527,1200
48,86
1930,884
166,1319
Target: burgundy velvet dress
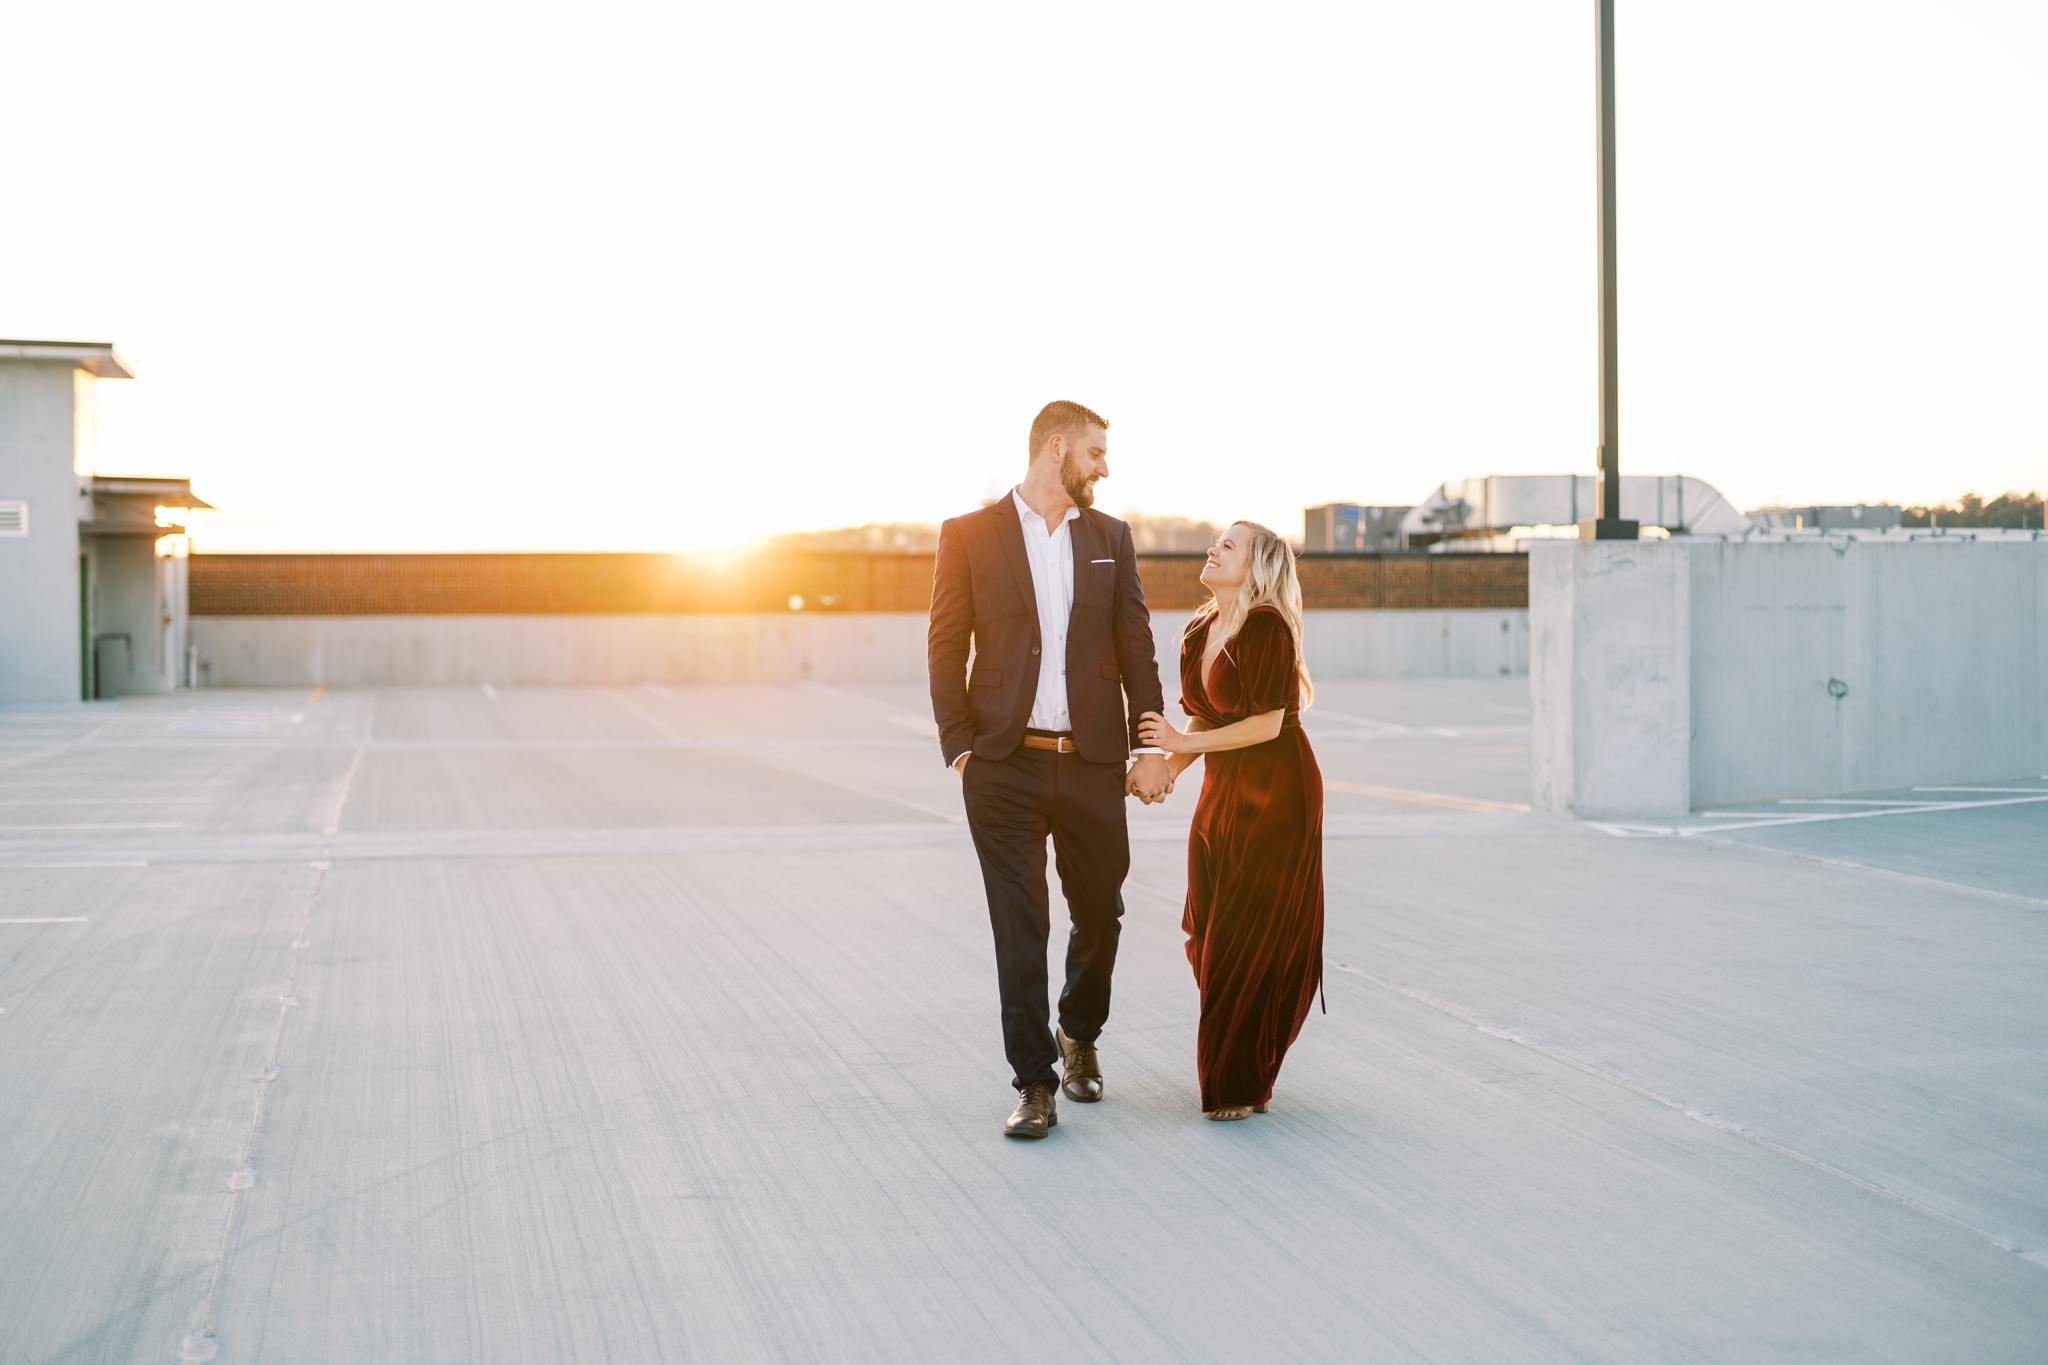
1254,916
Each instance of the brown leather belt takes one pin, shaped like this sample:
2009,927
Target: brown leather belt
1059,744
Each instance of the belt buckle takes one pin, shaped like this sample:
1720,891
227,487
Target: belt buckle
1065,744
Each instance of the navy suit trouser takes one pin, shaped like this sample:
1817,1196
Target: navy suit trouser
1012,805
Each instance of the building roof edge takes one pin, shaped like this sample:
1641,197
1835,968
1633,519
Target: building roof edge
95,357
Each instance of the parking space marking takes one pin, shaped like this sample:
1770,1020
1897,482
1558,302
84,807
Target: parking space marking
1424,798
145,824
1632,830
115,800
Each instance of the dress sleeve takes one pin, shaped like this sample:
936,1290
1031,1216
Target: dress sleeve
1266,677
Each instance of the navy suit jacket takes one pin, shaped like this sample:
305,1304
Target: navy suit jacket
982,593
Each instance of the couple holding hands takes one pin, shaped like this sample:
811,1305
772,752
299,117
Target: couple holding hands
1061,716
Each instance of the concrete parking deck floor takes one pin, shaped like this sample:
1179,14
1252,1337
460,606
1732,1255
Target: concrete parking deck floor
659,1025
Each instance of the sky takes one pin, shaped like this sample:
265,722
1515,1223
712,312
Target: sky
650,277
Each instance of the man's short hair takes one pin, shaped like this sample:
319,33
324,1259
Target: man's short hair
1060,419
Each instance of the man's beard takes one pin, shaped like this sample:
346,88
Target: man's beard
1079,487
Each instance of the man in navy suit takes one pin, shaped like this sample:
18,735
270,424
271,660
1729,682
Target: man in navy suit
1045,591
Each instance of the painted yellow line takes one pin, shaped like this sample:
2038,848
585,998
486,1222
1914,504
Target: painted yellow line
314,700
1423,798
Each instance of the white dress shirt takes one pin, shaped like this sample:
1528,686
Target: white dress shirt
1051,553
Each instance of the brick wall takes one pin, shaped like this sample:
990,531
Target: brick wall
827,580
555,584
1415,581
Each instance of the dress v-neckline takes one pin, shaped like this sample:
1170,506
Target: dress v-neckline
1206,670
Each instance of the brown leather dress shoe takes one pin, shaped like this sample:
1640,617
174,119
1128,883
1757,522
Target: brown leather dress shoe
1037,1111
1083,1080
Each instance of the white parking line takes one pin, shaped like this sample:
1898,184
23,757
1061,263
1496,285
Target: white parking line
1631,830
9,867
490,691
1848,801
1423,798
115,801
1738,815
1376,729
147,824
656,688
66,919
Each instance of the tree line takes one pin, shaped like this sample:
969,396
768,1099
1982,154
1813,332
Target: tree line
2007,509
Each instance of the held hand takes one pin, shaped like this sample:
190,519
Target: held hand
960,763
1157,731
1149,779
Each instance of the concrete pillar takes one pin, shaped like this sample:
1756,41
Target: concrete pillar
1610,678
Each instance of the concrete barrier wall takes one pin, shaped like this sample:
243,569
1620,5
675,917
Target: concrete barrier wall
864,647
1417,644
1819,670
412,651
1670,676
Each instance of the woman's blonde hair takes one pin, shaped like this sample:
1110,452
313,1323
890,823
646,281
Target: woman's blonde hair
1269,581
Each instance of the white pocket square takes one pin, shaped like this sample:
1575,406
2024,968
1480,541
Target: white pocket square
1102,561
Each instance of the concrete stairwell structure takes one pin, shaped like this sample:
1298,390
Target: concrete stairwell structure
1667,676
92,568
134,559
47,430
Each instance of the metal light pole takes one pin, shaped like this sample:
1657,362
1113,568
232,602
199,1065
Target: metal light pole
1608,525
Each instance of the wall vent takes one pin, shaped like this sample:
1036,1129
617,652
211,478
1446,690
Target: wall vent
13,518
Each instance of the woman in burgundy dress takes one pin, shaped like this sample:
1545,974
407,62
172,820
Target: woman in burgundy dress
1254,916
